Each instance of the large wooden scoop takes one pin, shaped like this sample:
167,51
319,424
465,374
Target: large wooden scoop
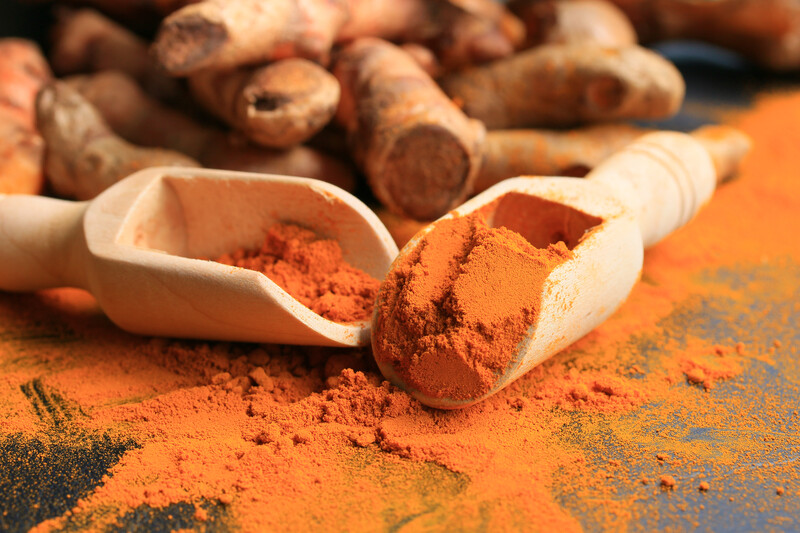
631,201
134,248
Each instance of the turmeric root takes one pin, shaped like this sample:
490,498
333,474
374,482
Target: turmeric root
279,105
511,153
468,32
574,21
424,57
139,13
221,34
765,31
23,71
418,150
83,157
86,41
142,120
564,85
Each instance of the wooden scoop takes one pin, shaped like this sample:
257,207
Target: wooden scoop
134,248
630,201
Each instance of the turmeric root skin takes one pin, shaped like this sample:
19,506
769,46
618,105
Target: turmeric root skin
142,120
83,157
566,85
86,41
511,153
573,22
764,31
221,34
227,33
418,150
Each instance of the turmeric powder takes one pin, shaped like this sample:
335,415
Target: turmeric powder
438,328
23,71
199,435
312,271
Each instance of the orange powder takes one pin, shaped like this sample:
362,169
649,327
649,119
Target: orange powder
454,309
233,436
312,271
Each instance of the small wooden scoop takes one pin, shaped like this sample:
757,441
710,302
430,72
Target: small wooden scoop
133,247
630,201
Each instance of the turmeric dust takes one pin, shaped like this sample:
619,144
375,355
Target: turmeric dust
311,270
101,430
453,310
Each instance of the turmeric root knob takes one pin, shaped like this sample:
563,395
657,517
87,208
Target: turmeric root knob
418,150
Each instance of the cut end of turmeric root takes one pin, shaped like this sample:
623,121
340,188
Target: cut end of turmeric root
291,87
418,150
279,105
440,165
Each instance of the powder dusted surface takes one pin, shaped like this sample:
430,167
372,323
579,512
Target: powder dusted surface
453,311
238,437
312,271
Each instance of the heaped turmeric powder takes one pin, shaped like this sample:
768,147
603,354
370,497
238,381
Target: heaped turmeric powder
453,311
312,270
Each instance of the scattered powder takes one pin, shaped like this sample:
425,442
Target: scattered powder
312,271
194,435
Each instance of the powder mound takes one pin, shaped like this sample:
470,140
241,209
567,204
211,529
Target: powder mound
358,402
311,270
453,311
706,370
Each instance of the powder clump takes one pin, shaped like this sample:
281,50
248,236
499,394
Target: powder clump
312,270
453,311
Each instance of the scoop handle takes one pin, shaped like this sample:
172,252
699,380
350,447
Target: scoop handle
41,243
666,177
